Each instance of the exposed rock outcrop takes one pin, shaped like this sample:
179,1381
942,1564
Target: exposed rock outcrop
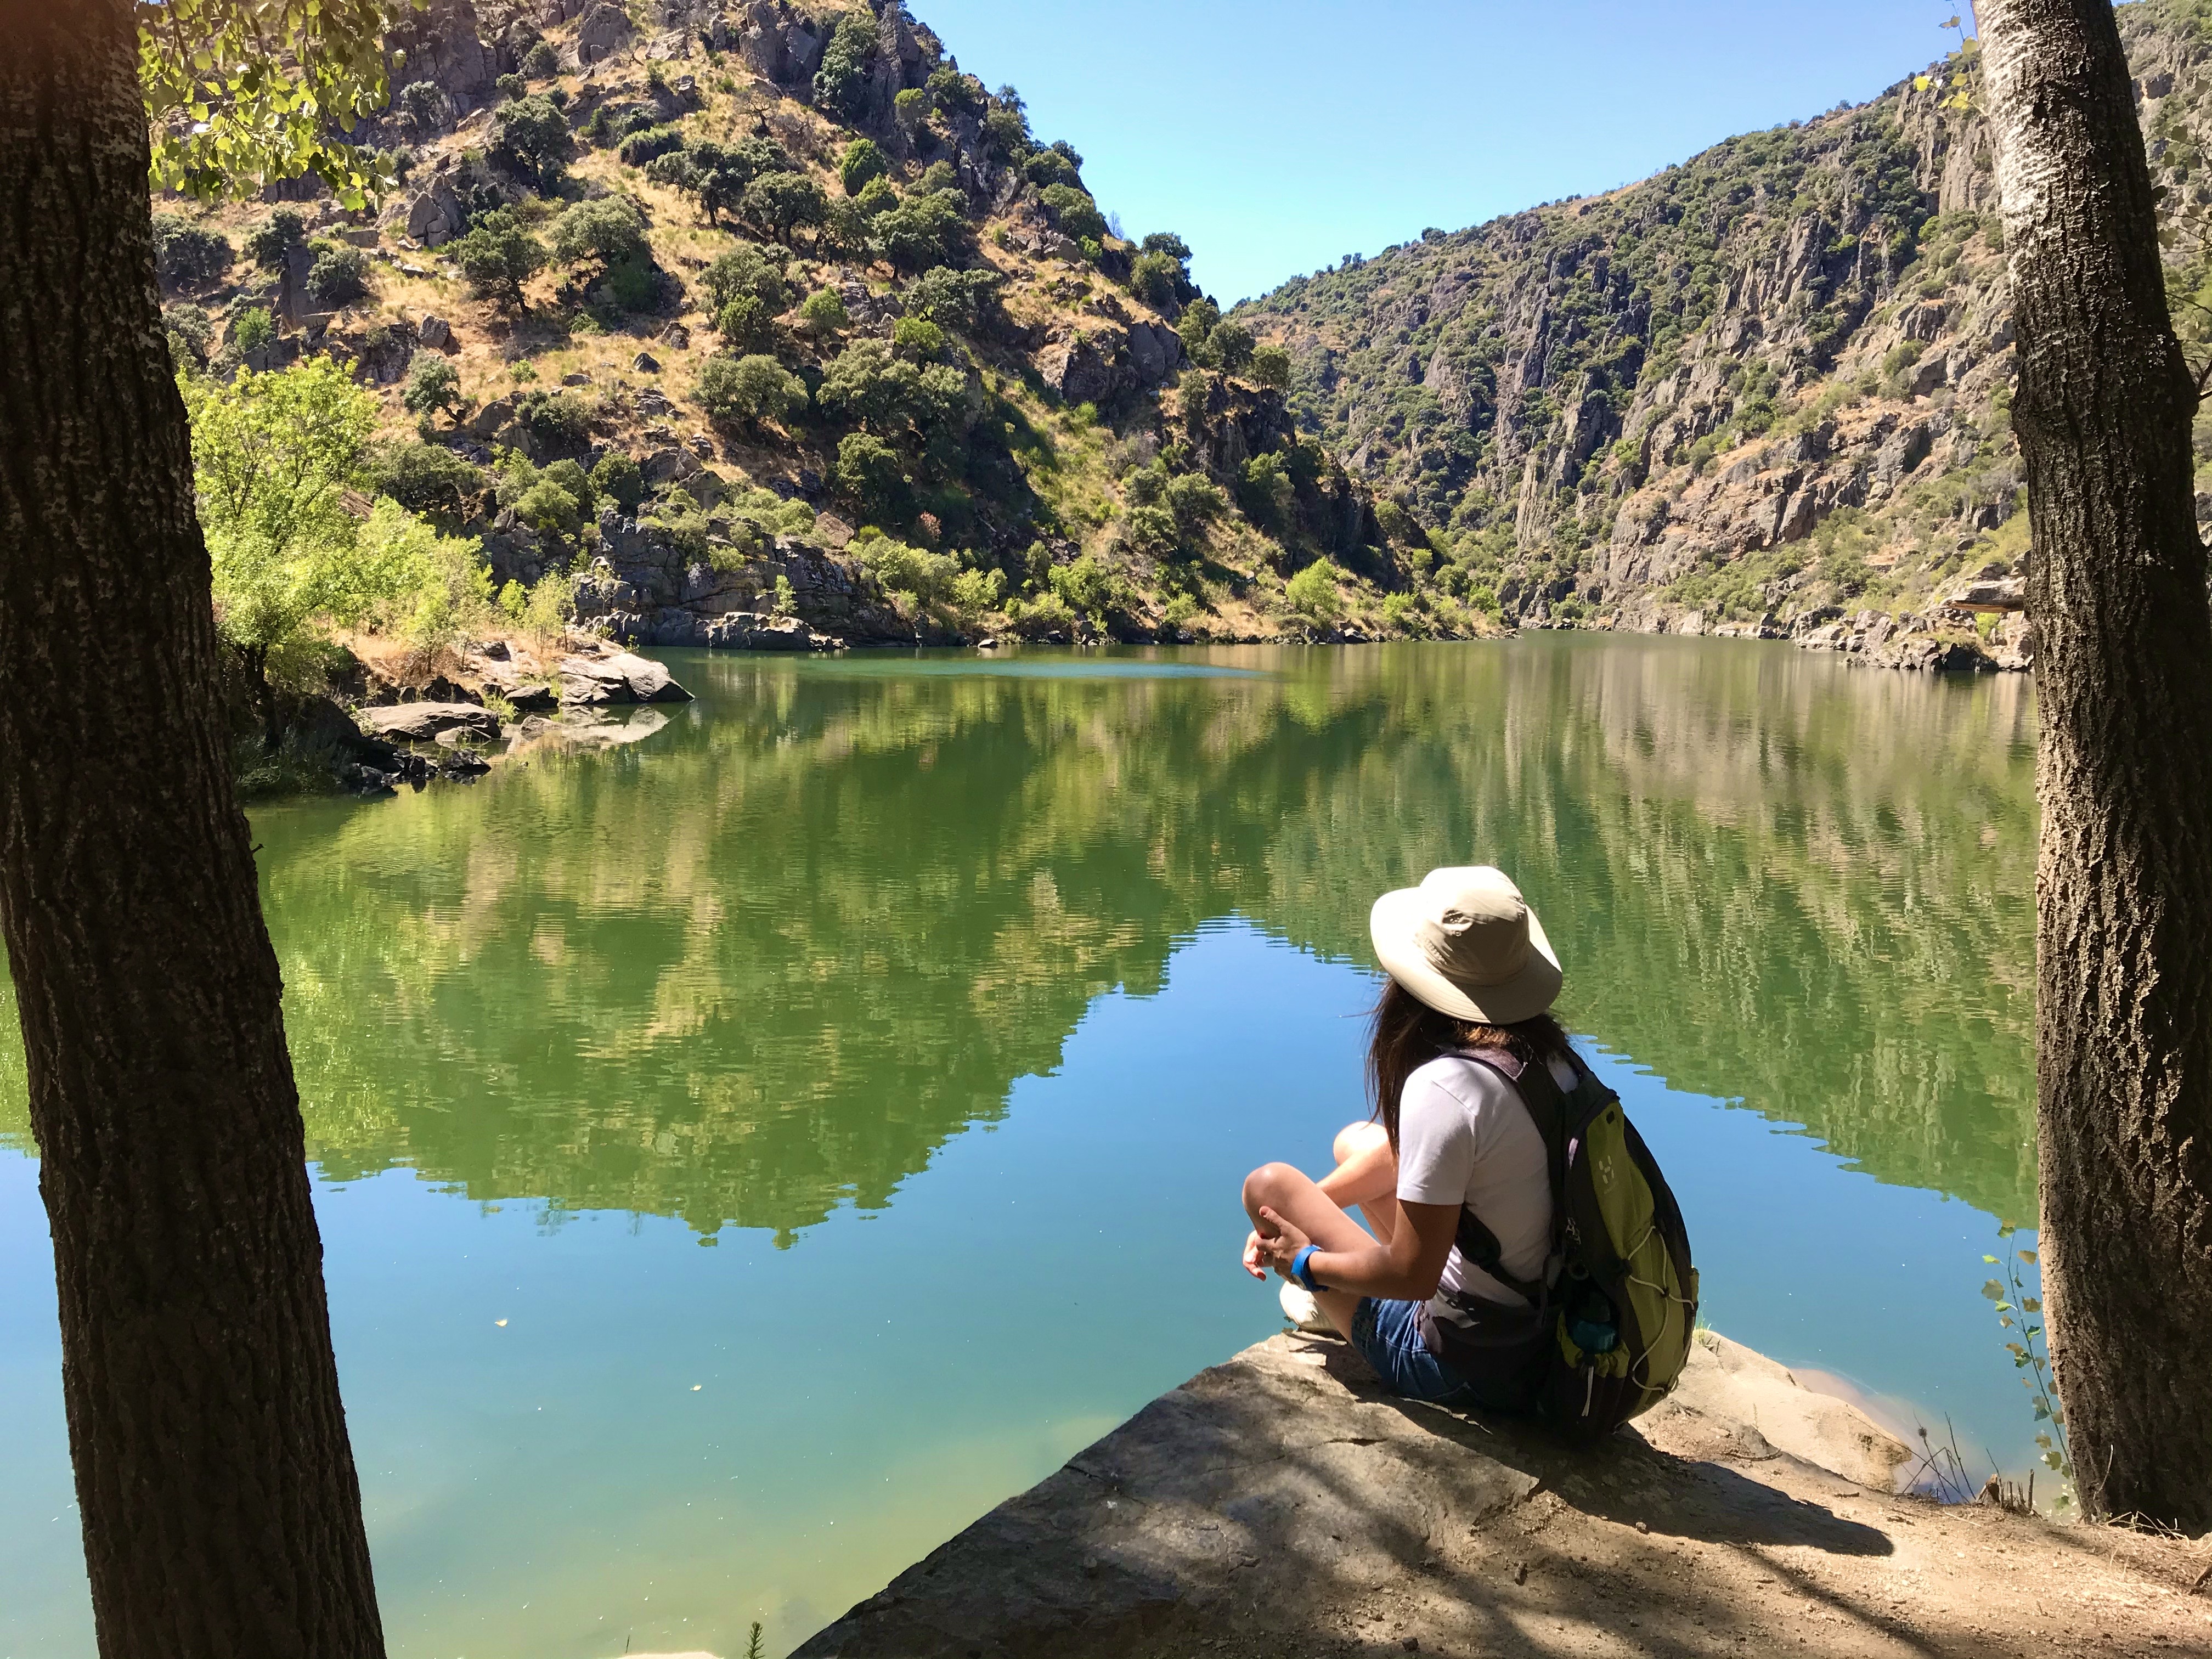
1279,1504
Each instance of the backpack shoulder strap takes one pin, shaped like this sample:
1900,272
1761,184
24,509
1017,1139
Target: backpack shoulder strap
1539,1092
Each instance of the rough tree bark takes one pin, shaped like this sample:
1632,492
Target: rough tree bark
221,1511
2123,670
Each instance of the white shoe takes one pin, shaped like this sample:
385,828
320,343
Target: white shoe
1303,1311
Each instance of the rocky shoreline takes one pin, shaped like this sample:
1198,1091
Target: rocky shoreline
1281,1504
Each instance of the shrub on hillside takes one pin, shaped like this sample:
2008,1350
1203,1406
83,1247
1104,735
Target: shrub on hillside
922,232
497,256
654,142
275,237
541,62
1264,490
841,85
1228,347
917,338
1196,323
746,271
424,106
950,90
1194,500
191,334
434,387
557,420
184,255
1073,211
953,299
863,163
824,309
1313,592
530,140
425,479
871,476
339,275
749,391
609,231
1271,367
780,203
618,479
745,324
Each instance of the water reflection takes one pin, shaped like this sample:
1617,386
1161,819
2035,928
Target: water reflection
762,965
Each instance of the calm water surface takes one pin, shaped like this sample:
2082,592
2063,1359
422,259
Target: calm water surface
746,1156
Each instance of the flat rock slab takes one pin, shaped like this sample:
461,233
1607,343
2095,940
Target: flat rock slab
1280,1506
424,722
622,678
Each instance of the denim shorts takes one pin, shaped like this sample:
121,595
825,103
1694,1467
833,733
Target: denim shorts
1389,1337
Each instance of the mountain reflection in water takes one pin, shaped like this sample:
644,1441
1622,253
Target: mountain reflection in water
766,963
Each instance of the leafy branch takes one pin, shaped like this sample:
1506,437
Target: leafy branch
2031,1356
239,92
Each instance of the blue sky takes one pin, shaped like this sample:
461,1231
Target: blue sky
1277,137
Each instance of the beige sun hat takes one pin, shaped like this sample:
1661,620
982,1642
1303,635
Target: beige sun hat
1466,943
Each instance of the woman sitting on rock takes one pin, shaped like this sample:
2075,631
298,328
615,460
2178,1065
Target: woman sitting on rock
1450,1155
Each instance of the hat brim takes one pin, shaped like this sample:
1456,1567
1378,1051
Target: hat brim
1392,926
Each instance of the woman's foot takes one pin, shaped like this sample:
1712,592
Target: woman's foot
1303,1311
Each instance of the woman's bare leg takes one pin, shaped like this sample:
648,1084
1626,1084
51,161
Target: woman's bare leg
1366,1174
1299,1198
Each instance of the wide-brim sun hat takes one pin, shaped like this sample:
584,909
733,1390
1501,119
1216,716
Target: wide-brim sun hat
1467,943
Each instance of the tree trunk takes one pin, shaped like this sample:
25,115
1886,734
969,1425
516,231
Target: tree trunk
2123,670
221,1511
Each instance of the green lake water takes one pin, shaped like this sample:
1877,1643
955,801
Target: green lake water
746,1156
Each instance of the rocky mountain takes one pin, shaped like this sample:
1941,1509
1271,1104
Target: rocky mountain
757,324
1765,391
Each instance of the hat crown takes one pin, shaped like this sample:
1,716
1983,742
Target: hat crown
1476,931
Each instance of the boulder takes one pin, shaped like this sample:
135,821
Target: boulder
423,722
1077,370
437,334
1156,351
605,28
622,678
744,630
669,465
2006,593
1274,1495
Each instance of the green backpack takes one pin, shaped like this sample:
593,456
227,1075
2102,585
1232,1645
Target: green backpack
1613,1312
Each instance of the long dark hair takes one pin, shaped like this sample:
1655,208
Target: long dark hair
1407,1033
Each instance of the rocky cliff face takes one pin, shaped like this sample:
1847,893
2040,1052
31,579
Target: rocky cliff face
1763,391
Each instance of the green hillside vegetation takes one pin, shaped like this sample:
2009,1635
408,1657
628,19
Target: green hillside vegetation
1765,384
869,291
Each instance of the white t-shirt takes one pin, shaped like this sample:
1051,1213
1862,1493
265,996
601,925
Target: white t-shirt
1465,1138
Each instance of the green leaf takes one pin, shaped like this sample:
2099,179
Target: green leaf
2027,1256
1920,83
1994,1291
2031,1304
2006,1229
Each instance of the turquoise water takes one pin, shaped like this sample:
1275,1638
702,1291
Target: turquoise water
841,1096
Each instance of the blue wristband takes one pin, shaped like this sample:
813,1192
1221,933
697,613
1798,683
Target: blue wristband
1302,1267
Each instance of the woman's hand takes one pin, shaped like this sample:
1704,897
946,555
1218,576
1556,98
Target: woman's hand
1276,1249
1255,1261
